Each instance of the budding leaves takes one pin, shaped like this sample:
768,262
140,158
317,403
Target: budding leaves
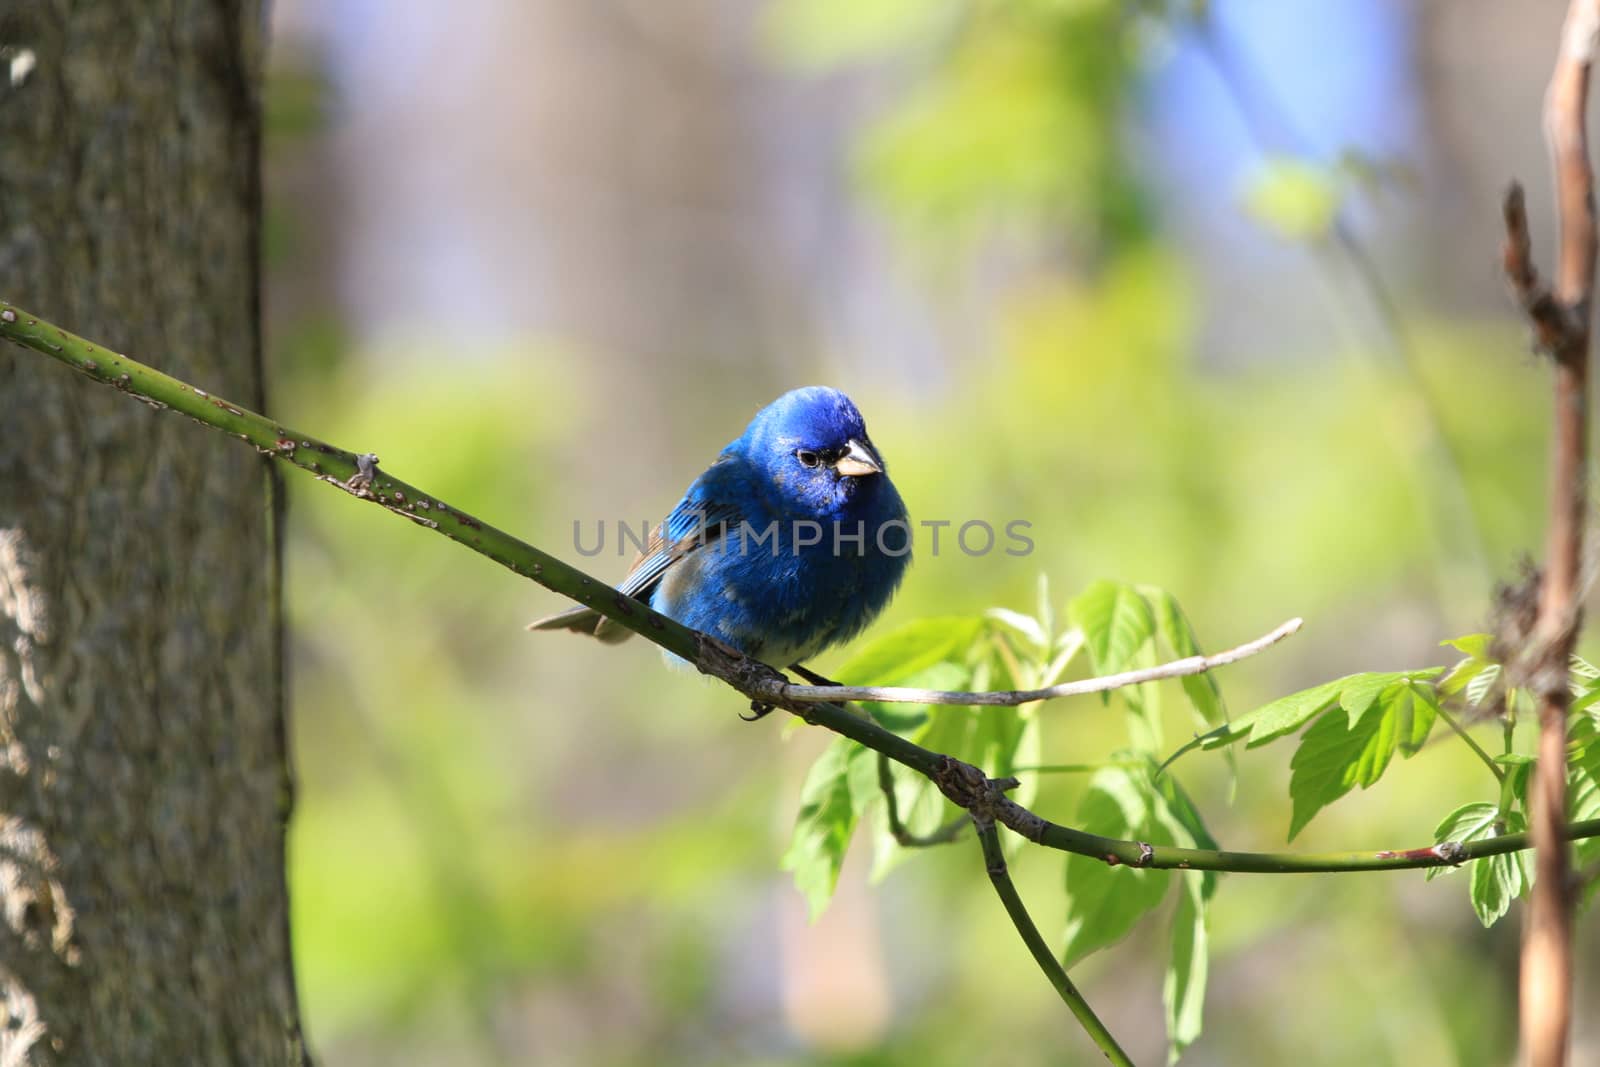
1119,627
1122,627
1358,723
1105,902
1116,622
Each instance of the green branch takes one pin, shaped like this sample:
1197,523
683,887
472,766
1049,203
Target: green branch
356,474
995,859
1495,769
965,785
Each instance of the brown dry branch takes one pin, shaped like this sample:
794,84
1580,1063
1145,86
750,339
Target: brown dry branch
1560,319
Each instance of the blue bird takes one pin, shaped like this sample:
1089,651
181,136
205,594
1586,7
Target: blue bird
791,541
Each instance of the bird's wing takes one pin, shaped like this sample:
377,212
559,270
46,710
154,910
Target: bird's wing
700,518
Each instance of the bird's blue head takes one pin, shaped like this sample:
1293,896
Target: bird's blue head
813,445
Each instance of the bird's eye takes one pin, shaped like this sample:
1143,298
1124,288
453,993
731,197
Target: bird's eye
807,458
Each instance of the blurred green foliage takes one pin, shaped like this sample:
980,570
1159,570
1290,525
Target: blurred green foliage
512,849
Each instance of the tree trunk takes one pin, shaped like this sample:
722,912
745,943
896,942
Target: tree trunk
144,782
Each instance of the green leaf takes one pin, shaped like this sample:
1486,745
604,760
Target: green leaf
996,739
1585,700
1499,880
1462,674
1479,687
1495,880
1355,693
1583,789
1417,707
1361,691
1473,646
827,819
1332,757
1469,822
1116,623
1283,716
1177,813
1183,990
1104,902
1172,626
1296,199
916,646
1520,770
1026,625
1045,612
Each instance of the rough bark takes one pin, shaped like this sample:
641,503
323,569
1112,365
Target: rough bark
143,770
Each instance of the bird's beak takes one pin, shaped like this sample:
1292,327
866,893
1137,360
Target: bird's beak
859,460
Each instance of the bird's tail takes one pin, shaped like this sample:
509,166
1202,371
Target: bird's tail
584,621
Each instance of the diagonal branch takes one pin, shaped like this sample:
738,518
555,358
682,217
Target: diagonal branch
995,859
963,784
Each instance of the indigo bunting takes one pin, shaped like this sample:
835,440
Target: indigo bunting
790,542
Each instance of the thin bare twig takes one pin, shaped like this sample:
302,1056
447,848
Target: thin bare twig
1005,698
1560,318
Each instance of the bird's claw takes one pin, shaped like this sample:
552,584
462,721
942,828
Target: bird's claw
758,710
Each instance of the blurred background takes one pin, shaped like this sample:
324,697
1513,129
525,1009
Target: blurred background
1205,292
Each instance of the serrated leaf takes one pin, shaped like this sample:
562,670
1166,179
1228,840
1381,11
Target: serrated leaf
1178,814
1584,700
1183,989
1495,881
1583,792
826,821
1499,880
905,650
1479,687
1104,902
1361,691
1284,715
1377,752
910,719
1462,674
1417,715
1469,822
1116,623
1332,757
1173,627
1473,646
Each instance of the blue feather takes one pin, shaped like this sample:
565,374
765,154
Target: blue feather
733,558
